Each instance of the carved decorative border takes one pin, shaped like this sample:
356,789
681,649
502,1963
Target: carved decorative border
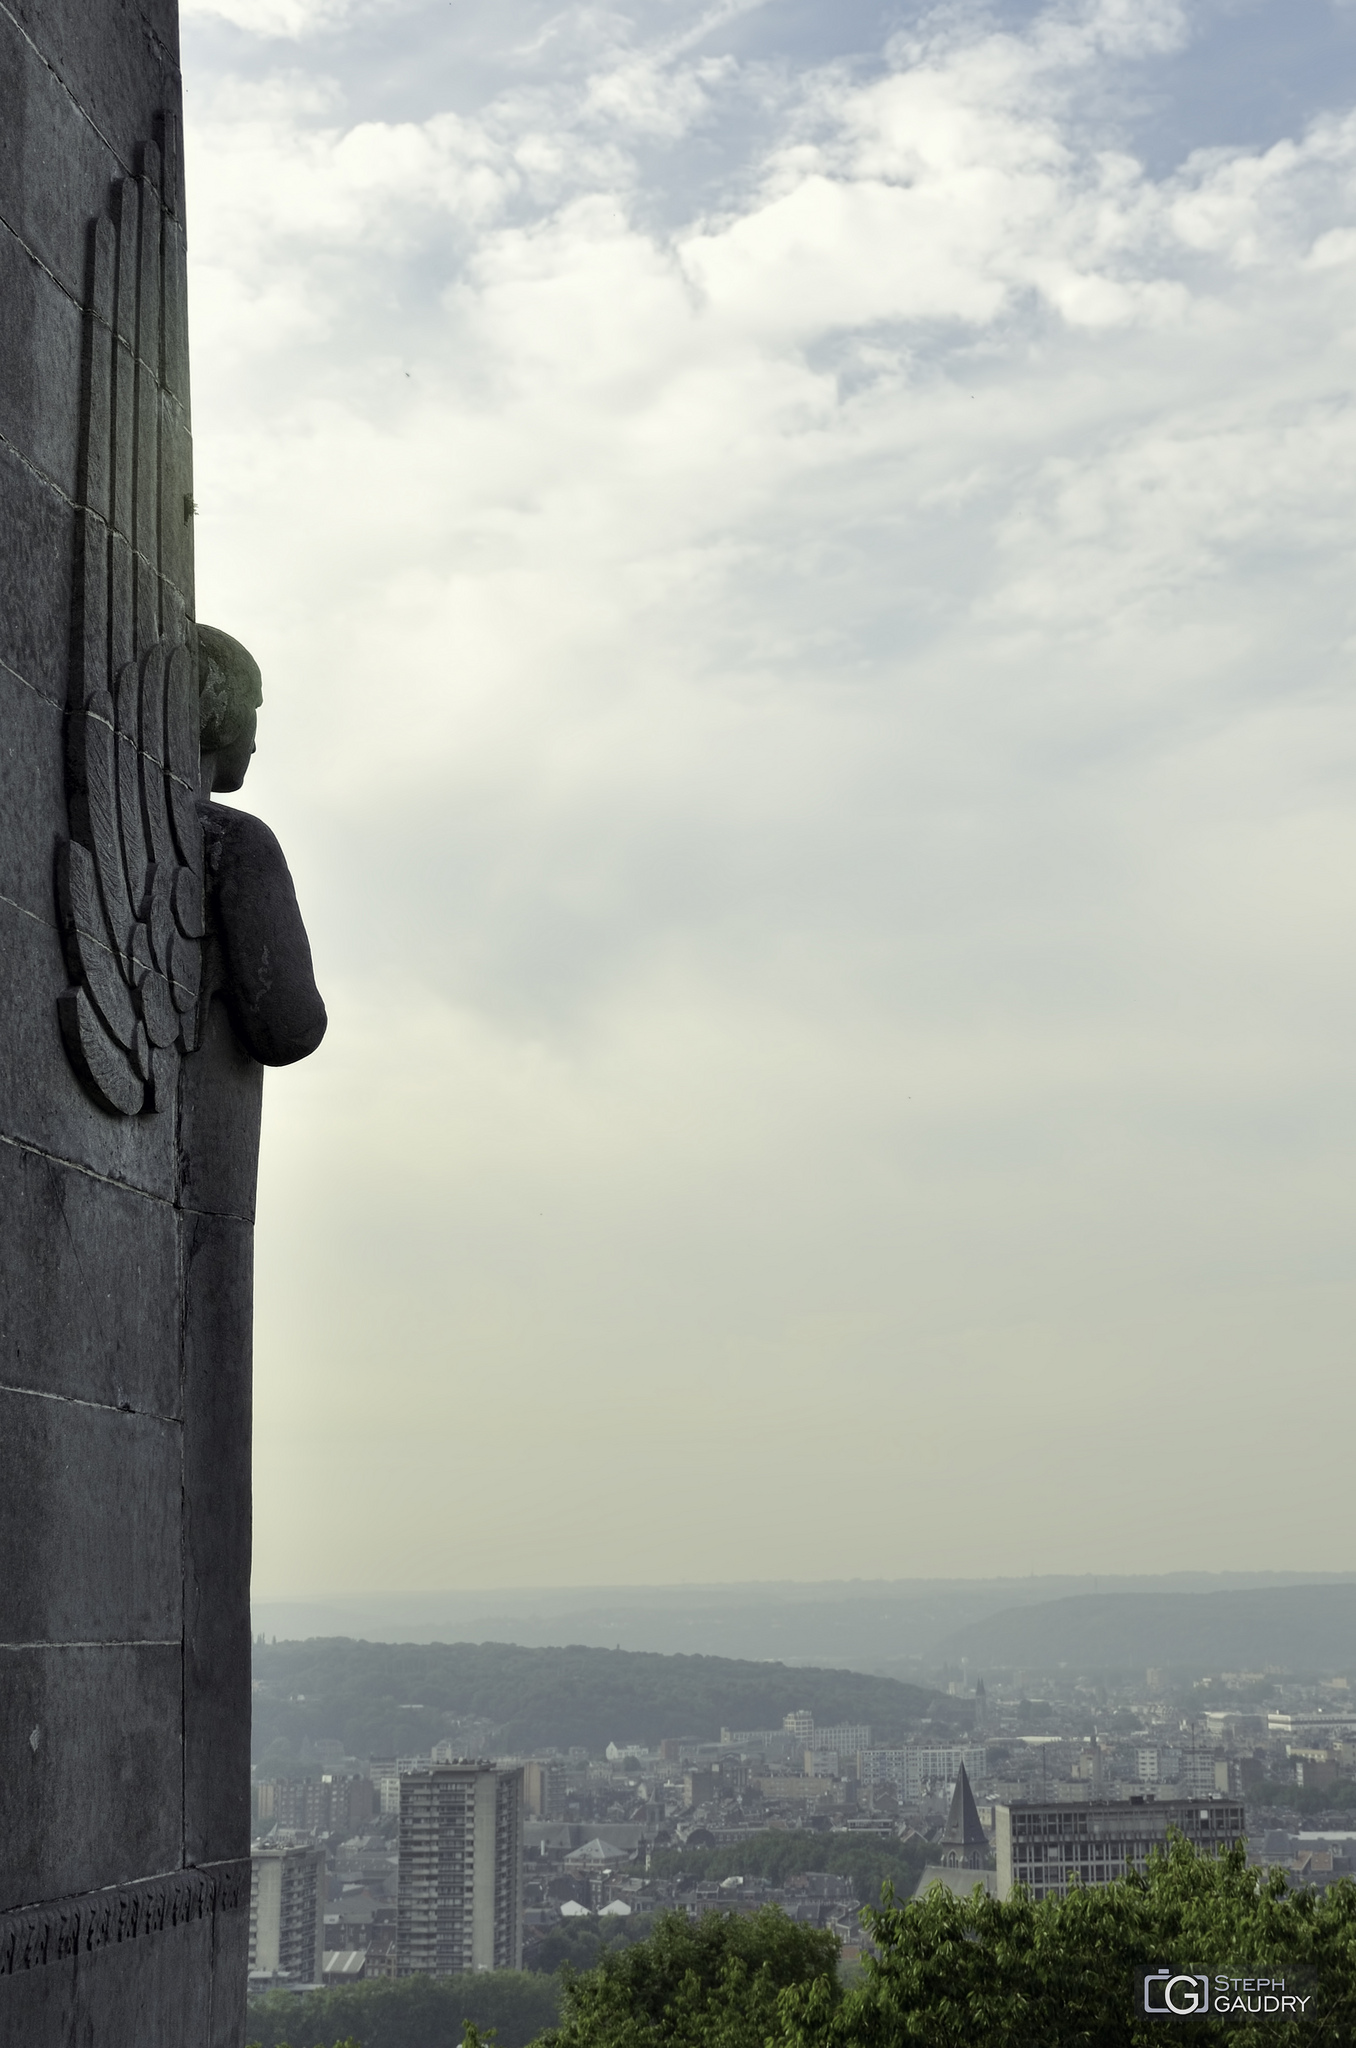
52,1933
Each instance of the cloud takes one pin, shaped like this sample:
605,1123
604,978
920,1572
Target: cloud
806,620
287,19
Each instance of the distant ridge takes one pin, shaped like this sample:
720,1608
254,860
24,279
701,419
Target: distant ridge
1299,1628
380,1698
857,1624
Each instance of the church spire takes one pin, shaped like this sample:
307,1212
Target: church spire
963,1837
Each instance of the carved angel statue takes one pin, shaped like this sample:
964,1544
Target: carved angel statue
147,842
167,900
265,957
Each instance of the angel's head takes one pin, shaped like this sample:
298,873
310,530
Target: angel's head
230,691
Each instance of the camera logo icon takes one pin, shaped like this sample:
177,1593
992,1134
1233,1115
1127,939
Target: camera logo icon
1176,1995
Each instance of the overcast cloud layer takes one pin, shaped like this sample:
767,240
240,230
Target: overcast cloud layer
802,559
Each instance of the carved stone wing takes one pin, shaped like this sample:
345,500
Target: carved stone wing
130,878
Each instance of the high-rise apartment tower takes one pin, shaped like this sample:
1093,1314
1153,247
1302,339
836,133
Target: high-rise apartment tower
461,1870
287,1913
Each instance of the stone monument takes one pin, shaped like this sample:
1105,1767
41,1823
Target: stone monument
152,960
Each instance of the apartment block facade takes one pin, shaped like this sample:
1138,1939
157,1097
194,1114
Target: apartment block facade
460,1903
915,1770
1049,1848
287,1914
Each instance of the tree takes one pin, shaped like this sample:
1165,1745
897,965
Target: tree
581,1943
714,1983
977,1972
409,2012
782,1853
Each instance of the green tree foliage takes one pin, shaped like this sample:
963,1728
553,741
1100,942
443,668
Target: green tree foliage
321,2044
386,1698
713,1983
780,1854
408,2012
582,1943
976,1973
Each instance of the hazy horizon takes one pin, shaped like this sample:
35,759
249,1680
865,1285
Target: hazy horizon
801,560
892,1628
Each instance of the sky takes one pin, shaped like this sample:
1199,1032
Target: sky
802,559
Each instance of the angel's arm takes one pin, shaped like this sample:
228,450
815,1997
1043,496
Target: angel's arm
275,1005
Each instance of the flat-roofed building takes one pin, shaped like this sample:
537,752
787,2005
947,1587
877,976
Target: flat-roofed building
1049,1848
544,1790
914,1771
287,1913
460,1903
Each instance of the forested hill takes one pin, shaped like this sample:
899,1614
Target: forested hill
385,1698
1293,1628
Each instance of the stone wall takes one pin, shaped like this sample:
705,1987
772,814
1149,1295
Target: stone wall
124,1279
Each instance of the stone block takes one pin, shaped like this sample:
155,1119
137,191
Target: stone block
55,168
218,1287
37,560
42,1104
91,1763
152,1993
118,58
89,1523
89,1277
40,339
32,796
230,1976
158,1964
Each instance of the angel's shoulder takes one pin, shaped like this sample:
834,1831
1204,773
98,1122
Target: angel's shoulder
238,838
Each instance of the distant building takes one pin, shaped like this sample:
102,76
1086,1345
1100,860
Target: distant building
287,1913
914,1771
330,1804
544,1791
1199,1774
460,1904
1049,1847
345,1965
386,1774
961,1859
964,1844
795,1790
1309,1858
798,1733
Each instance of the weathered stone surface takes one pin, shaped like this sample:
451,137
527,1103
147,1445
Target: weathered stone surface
40,338
220,1103
126,1190
89,1523
41,1102
31,792
275,1007
37,542
230,1976
89,1279
161,1964
218,1280
56,165
115,61
154,1993
90,1761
